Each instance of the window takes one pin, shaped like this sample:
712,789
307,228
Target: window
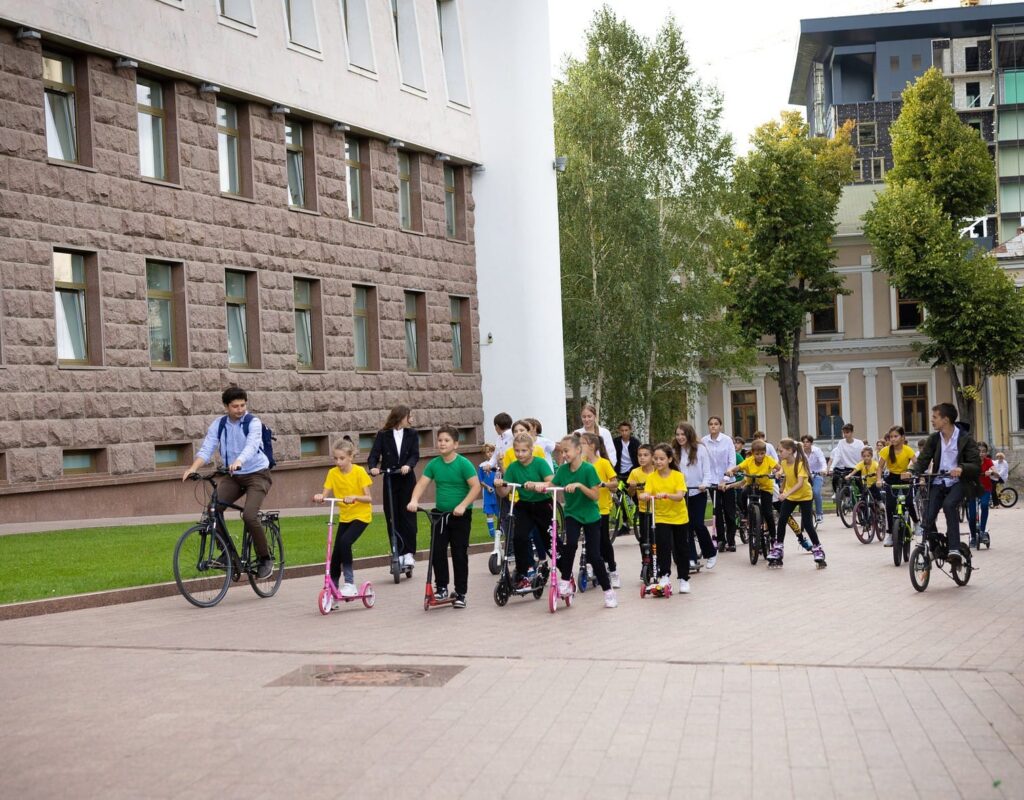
168,331
971,59
454,202
973,91
894,63
293,144
449,28
61,112
76,299
858,170
467,435
407,42
461,348
828,411
227,147
426,438
908,313
301,17
237,10
877,169
744,413
172,455
415,332
357,34
358,179
149,95
404,191
242,319
914,397
3,467
364,328
84,462
366,441
313,446
309,333
867,134
1020,404
826,320
915,62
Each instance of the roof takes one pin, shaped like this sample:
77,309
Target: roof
1011,248
856,199
818,36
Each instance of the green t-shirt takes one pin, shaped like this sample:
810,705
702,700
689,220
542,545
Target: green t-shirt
537,471
449,480
577,505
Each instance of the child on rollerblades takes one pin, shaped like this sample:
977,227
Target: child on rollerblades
796,492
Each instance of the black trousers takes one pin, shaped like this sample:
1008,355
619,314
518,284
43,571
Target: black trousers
673,540
405,520
786,509
725,516
592,538
454,534
341,553
946,499
696,505
528,517
607,549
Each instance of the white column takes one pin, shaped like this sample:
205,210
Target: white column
867,289
871,406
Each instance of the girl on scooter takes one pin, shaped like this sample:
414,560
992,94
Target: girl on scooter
350,484
396,451
594,451
667,488
533,510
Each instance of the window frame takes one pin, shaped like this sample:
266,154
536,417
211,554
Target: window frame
369,315
419,319
735,407
250,316
409,192
879,175
455,219
158,115
243,147
923,410
461,322
861,126
184,452
92,319
316,48
81,105
828,403
177,296
361,165
97,461
314,311
813,328
322,442
295,151
233,22
1019,386
901,302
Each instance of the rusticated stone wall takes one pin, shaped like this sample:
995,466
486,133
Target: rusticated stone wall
123,405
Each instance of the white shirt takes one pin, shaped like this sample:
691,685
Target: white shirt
721,453
1002,468
815,460
846,455
606,437
947,459
399,435
548,446
504,443
770,450
698,473
626,464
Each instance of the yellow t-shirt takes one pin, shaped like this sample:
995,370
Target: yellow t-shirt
793,472
869,472
760,476
510,456
639,477
606,472
354,483
900,465
670,512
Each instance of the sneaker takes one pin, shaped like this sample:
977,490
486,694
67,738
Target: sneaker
693,566
710,563
524,583
610,600
564,587
684,586
531,573
665,581
818,520
888,540
730,548
348,590
441,594
459,601
409,560
614,578
265,568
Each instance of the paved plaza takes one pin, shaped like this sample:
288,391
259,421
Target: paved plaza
796,683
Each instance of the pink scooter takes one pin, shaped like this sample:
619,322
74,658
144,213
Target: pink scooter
554,595
331,593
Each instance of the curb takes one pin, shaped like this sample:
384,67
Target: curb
135,594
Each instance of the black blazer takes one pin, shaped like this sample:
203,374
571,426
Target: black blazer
385,455
968,458
633,447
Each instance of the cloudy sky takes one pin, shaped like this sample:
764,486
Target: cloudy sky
746,47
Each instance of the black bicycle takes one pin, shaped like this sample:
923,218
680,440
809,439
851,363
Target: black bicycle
933,548
206,560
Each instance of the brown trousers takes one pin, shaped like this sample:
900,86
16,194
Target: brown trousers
254,486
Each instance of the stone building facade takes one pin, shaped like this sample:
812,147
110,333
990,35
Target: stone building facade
106,435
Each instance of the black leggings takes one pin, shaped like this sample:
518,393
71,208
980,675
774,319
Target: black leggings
341,553
786,509
696,505
592,538
455,534
673,540
607,550
530,515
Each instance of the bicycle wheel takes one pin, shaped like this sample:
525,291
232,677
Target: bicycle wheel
202,566
962,573
908,540
614,521
754,525
1007,498
880,522
844,506
962,511
268,586
897,541
920,568
862,528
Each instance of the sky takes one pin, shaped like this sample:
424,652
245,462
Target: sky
746,48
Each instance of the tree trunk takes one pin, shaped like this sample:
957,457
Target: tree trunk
577,404
789,382
644,424
969,411
598,392
964,403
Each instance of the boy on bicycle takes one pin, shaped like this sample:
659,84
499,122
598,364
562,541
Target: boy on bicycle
247,464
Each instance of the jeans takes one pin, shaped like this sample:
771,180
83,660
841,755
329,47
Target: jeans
985,498
946,499
816,483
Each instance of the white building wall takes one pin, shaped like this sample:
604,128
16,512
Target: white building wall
519,286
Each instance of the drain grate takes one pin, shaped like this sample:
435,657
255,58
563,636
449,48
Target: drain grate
369,676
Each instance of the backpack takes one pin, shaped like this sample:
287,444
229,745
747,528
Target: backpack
267,443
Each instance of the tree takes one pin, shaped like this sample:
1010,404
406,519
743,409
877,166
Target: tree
647,164
786,192
943,177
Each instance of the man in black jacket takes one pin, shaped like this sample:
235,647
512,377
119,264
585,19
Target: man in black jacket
951,449
625,450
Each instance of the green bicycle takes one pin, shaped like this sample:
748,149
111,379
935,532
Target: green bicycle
624,516
902,524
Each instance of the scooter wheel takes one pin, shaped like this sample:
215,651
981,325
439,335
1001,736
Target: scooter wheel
397,576
581,580
500,593
324,602
369,595
493,565
643,591
553,600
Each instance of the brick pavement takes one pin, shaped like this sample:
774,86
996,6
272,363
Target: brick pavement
800,683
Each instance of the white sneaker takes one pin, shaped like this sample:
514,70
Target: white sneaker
693,566
888,540
409,560
710,563
684,586
610,600
614,578
348,590
665,581
563,587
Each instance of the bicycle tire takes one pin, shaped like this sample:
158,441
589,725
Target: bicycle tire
202,585
1007,498
844,506
862,527
897,541
268,586
755,531
920,568
962,511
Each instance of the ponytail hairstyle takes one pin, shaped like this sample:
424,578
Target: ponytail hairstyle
801,459
691,444
666,448
596,442
523,438
892,451
345,445
398,413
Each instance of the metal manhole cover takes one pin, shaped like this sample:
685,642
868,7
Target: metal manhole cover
369,676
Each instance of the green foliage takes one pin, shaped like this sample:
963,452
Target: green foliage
647,165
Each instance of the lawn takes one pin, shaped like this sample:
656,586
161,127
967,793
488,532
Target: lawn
57,563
